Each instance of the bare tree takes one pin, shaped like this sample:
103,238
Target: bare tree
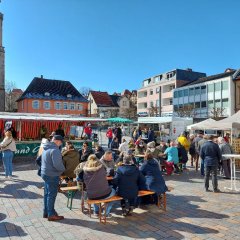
10,98
186,111
112,113
153,111
85,91
217,113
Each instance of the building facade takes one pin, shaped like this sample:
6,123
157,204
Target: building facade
211,96
11,98
155,97
53,97
2,69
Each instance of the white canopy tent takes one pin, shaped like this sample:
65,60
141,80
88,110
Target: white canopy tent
203,125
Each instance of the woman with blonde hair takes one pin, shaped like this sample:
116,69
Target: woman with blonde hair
94,177
8,147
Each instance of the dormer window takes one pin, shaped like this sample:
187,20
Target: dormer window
69,95
47,94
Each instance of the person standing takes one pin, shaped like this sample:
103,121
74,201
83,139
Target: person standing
51,168
88,131
197,149
211,155
225,148
199,146
60,131
118,134
109,135
8,147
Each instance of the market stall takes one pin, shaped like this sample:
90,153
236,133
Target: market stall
28,125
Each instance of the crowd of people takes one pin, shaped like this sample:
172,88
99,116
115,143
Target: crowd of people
134,165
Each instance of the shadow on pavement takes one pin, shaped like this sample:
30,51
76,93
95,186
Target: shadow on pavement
8,229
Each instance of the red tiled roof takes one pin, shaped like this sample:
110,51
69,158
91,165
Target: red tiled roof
102,99
17,91
126,92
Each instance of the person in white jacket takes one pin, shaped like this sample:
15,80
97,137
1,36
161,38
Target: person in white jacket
123,146
8,147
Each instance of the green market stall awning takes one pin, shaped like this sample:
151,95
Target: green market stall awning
119,120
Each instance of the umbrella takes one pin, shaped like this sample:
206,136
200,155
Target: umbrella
119,120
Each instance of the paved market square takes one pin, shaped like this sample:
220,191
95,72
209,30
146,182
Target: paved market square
191,212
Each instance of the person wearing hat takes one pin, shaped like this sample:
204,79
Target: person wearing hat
51,168
128,180
8,147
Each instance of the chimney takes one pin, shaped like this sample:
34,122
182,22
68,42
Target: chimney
189,69
41,76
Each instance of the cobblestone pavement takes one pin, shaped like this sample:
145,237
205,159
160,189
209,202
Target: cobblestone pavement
191,212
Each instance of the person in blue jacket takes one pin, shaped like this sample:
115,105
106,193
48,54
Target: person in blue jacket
154,180
128,180
51,168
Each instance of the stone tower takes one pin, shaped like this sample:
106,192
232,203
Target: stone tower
2,69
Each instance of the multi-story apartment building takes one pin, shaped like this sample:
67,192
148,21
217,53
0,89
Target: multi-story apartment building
208,96
155,97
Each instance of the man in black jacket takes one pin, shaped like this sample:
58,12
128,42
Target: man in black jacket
211,155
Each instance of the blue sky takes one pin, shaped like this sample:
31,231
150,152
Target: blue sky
111,45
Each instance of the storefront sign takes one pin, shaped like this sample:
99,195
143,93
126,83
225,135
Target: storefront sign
28,149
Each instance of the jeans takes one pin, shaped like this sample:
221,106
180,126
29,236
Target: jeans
202,167
208,171
109,142
108,206
7,157
50,193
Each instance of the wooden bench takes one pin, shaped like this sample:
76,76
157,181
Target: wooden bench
71,192
102,203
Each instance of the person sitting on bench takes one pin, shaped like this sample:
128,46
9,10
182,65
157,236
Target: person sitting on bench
97,187
128,180
154,180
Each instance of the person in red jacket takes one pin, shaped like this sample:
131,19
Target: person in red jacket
88,131
109,135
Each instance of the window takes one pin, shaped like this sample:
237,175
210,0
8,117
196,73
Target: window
218,103
175,94
79,107
157,79
203,104
157,89
124,103
151,92
171,87
185,92
65,106
57,105
145,105
218,86
210,104
180,93
203,89
170,101
225,85
225,103
151,104
35,104
47,94
157,103
69,96
191,92
175,107
197,91
72,106
210,87
197,104
46,105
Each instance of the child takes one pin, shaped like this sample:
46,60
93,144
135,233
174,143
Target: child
128,180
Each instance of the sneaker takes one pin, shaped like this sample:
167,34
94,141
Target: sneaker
207,190
124,212
109,216
217,190
130,211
